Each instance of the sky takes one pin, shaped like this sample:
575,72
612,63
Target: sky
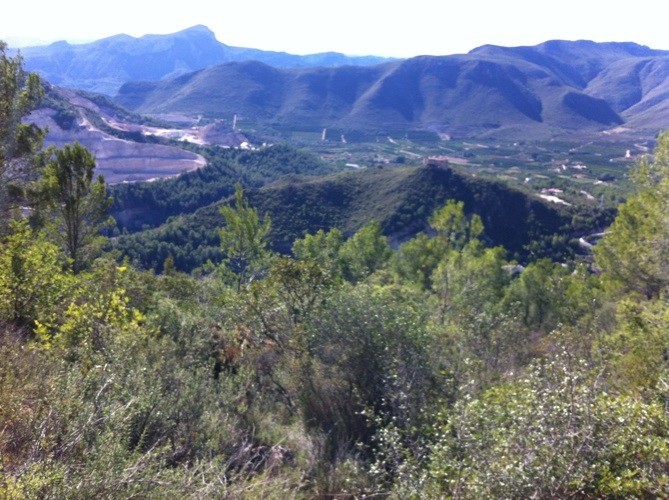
354,27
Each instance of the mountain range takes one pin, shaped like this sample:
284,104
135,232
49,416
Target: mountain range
554,88
543,90
104,65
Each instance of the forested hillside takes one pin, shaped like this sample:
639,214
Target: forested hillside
400,199
347,370
143,205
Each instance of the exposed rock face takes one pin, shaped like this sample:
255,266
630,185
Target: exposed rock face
119,160
221,134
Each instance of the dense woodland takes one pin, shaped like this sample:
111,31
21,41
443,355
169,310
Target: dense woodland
400,198
345,369
144,205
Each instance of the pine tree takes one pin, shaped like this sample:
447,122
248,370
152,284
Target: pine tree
77,204
244,239
20,92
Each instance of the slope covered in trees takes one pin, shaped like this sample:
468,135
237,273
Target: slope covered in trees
141,205
401,199
350,369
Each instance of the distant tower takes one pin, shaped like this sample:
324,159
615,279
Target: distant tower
324,135
234,122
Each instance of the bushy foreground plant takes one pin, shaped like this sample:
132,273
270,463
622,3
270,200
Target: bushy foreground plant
551,432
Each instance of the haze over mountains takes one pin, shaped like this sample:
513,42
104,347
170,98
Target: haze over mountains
553,88
104,65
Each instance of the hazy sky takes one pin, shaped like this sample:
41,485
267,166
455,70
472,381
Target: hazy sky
355,27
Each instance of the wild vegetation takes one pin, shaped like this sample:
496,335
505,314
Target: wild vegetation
347,369
144,205
400,199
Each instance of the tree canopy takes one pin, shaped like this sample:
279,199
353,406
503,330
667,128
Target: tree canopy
76,205
244,239
20,92
634,254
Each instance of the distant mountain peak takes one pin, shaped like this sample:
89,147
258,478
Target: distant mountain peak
60,44
120,38
105,65
630,48
198,29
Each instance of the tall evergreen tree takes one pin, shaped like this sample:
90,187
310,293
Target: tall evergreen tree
634,254
244,239
20,93
78,205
